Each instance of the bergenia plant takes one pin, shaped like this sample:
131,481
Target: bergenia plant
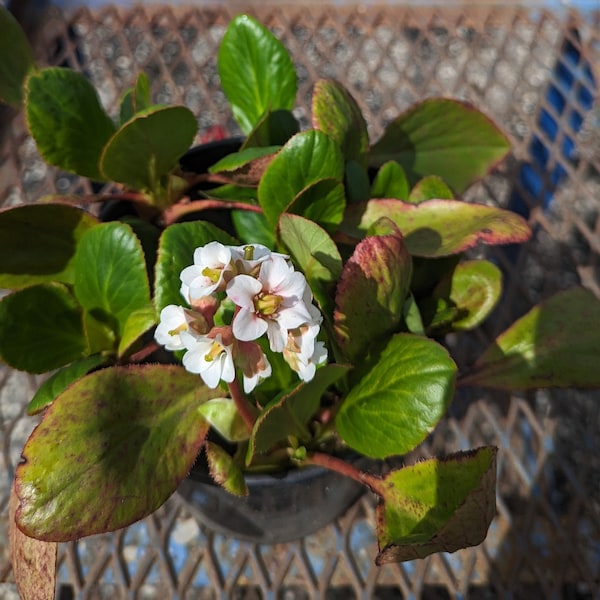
312,325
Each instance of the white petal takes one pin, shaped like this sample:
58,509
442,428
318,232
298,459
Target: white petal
242,289
248,326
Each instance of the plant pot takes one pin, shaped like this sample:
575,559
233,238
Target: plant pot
280,507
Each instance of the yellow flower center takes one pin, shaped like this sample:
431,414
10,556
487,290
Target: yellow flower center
267,304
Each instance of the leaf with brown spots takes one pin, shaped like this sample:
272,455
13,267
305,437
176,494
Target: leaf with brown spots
33,561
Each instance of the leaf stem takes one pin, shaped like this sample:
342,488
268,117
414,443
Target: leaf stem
176,211
374,483
245,409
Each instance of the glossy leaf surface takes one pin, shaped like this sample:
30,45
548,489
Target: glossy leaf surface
390,182
430,188
41,328
306,159
38,243
111,280
441,227
256,71
336,113
315,253
148,146
67,121
437,505
556,344
224,417
371,290
109,436
136,99
400,400
176,251
442,137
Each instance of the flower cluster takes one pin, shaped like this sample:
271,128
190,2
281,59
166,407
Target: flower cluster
266,295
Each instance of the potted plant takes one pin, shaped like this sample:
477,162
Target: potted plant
309,332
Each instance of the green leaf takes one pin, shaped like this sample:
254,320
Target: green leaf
67,121
356,182
224,417
412,316
245,167
372,289
440,227
110,450
60,381
148,146
136,324
437,505
556,344
390,182
257,74
175,252
111,280
337,114
400,400
473,289
430,188
274,128
41,328
316,255
224,470
289,414
17,59
308,158
252,228
135,99
322,202
38,243
442,137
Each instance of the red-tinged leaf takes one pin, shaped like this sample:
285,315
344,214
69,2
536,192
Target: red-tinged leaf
440,227
224,470
438,505
110,450
372,289
33,561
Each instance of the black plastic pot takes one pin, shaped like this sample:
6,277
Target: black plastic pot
280,507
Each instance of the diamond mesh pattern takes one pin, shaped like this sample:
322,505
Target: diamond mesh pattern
530,70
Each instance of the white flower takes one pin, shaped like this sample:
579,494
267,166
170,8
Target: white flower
273,303
211,269
210,358
302,352
248,257
254,364
173,321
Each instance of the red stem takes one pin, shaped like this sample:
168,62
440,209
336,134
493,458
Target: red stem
374,483
142,354
244,408
176,211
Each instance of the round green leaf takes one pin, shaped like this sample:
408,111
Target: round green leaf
148,146
110,450
17,59
556,344
442,137
400,400
38,243
430,188
256,71
437,505
176,251
308,158
110,279
41,328
473,289
437,228
337,114
67,121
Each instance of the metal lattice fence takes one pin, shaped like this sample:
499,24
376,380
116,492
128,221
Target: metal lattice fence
532,71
